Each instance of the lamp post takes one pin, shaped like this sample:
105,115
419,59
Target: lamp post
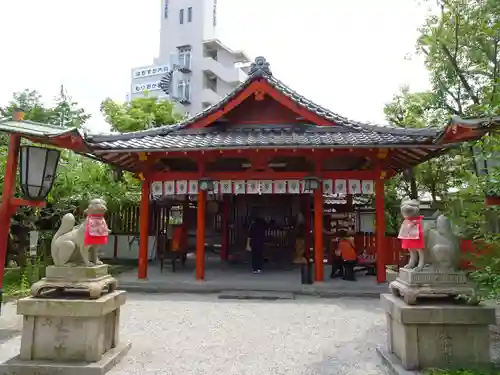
34,236
313,184
37,167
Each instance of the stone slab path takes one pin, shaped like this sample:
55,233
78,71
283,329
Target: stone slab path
202,334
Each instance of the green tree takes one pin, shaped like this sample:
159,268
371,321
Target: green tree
139,114
416,110
66,112
460,45
78,178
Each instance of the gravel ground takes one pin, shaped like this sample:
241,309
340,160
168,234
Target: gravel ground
200,334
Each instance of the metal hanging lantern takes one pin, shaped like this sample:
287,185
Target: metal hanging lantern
485,164
311,183
37,168
206,184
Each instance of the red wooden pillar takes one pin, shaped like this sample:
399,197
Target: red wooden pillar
185,222
380,243
142,272
307,226
318,235
200,234
224,252
6,207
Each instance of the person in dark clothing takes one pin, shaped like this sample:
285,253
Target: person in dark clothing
255,243
337,265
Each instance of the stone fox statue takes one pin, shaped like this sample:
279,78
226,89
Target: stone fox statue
442,245
81,241
411,234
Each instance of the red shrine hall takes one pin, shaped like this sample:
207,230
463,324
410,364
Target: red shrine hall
266,150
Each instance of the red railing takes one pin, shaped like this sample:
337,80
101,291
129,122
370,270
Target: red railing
397,256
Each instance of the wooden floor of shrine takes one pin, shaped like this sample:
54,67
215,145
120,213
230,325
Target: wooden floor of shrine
223,276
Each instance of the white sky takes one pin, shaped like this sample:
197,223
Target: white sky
347,55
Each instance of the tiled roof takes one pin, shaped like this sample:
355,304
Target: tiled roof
263,136
32,128
359,133
49,134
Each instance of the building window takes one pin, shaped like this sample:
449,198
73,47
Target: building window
181,16
214,15
184,90
185,58
165,10
190,14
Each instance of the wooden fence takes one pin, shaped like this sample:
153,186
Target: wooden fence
397,256
126,222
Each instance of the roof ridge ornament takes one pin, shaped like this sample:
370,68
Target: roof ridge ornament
260,67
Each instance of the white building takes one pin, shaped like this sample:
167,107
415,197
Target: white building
205,69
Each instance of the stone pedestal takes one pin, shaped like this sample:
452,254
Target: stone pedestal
74,336
412,284
439,335
92,280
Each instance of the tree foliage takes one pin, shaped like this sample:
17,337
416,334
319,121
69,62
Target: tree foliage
460,45
139,114
78,178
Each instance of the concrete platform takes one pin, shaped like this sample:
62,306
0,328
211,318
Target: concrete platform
223,277
16,366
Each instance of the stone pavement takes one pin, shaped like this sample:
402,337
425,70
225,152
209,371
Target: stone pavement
201,334
10,322
222,277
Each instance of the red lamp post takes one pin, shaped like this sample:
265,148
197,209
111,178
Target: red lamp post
37,172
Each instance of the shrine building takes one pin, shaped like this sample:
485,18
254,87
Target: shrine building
265,148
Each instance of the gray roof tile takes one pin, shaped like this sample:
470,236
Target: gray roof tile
346,132
182,140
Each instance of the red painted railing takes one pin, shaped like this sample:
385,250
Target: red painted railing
397,256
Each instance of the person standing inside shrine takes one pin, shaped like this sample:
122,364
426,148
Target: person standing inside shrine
255,243
348,253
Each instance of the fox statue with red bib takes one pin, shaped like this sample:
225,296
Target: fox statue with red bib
411,234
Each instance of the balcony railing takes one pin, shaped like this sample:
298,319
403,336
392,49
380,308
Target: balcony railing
228,74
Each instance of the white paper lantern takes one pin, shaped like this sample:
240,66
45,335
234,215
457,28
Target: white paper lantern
169,187
156,189
266,187
367,187
327,186
354,187
340,187
293,186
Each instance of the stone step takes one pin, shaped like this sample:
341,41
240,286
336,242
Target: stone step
255,295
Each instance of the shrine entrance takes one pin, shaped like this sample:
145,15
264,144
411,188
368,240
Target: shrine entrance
282,214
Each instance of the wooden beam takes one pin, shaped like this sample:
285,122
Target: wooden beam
318,236
200,234
270,151
142,272
229,106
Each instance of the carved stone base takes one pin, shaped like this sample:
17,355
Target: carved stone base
411,285
438,335
93,280
69,336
